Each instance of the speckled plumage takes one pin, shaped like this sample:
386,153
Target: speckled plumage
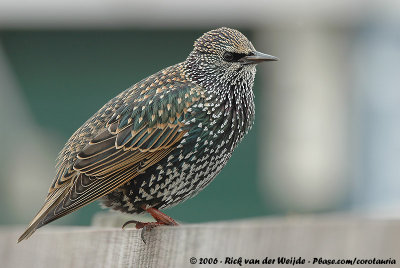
165,138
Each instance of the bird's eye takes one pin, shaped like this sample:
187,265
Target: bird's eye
232,56
228,56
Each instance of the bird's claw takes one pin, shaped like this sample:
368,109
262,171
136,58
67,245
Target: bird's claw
129,222
145,226
161,219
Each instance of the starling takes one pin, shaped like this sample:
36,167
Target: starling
164,139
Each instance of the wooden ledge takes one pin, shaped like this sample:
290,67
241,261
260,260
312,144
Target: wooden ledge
307,237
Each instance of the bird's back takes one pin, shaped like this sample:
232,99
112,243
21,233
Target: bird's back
133,96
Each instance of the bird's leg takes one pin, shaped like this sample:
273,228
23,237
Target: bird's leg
161,219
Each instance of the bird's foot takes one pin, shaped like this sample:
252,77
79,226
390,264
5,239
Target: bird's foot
161,219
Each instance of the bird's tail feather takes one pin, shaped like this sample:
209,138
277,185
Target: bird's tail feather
38,221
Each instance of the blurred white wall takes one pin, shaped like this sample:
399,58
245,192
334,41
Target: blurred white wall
305,133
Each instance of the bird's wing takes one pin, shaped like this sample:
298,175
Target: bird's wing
138,135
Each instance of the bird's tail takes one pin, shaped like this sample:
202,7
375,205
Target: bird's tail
33,226
40,219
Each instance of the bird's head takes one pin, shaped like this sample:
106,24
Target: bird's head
222,56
